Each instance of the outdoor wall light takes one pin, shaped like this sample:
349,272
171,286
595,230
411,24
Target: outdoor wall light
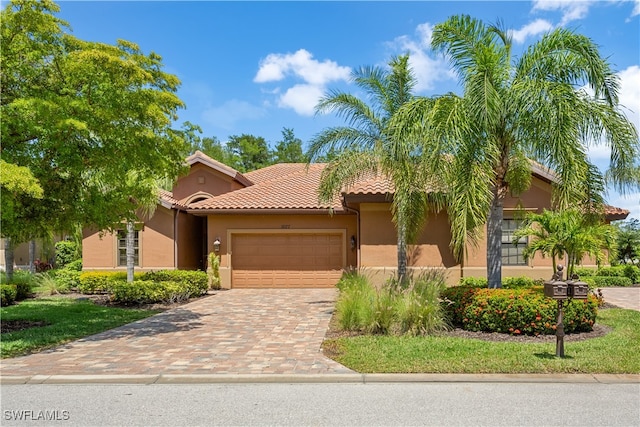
353,242
216,245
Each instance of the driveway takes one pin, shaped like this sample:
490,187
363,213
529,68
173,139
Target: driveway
240,331
628,297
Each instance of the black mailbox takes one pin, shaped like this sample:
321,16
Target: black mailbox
577,289
555,289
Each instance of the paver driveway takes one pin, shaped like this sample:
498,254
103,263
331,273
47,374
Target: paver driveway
243,331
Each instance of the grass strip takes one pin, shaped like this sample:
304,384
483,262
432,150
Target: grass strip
66,320
615,353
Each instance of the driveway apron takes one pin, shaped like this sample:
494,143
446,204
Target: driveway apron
243,331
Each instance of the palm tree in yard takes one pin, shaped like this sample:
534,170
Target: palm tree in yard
570,234
549,105
365,147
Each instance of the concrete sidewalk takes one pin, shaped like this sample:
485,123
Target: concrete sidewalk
628,297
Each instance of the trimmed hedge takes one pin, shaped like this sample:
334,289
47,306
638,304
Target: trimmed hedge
7,295
507,282
99,282
169,286
607,281
515,311
197,282
149,292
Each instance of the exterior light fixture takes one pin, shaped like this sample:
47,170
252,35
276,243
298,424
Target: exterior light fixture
216,245
353,242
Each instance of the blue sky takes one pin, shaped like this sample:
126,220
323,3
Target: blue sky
258,67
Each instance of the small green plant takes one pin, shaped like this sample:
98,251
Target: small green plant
51,284
7,295
74,265
99,282
196,282
213,272
149,292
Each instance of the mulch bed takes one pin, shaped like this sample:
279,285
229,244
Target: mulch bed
18,325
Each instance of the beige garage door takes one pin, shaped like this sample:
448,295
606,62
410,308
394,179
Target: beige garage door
286,260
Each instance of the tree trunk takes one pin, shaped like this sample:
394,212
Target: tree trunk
8,258
32,256
402,254
494,241
130,240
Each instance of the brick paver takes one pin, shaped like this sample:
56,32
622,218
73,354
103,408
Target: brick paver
240,331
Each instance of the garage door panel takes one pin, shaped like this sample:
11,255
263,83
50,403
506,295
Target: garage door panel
286,260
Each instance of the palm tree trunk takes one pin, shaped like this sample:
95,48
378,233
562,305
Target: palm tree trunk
130,239
494,241
402,252
8,258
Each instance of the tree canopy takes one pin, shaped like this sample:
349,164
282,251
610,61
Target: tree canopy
248,152
78,116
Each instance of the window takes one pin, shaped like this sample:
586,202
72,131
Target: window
512,253
122,248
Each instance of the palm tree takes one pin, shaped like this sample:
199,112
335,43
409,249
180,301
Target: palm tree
366,147
570,233
559,98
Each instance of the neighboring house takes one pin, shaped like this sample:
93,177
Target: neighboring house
44,252
270,231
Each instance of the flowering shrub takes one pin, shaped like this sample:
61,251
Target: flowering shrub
515,311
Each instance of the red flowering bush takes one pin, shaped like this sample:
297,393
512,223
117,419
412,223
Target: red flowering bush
515,311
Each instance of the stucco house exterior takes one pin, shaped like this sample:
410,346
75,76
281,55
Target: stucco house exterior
270,231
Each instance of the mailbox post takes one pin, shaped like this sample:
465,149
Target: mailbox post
560,290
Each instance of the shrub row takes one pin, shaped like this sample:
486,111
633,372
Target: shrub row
165,286
630,272
507,282
606,281
149,292
515,311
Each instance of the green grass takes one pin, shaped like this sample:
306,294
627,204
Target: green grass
67,320
615,353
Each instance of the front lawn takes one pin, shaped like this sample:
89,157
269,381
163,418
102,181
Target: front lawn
56,321
615,353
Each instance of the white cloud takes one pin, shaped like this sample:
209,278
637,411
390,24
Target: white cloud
277,66
572,10
636,9
630,93
301,65
427,69
302,98
532,29
231,112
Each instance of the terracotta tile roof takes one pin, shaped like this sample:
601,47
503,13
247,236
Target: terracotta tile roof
166,199
613,213
372,185
282,186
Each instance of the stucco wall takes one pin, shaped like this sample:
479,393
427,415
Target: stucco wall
203,179
156,251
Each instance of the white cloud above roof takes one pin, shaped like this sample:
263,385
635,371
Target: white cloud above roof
302,98
300,65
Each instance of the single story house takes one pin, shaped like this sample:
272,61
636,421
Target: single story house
270,231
